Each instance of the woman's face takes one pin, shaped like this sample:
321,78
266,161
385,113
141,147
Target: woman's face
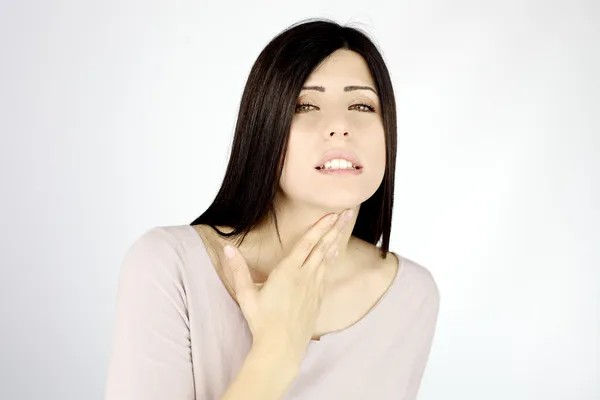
333,114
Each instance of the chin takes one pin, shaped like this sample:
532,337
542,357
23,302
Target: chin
333,202
333,195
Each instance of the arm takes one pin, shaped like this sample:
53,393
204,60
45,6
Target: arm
428,321
265,375
151,354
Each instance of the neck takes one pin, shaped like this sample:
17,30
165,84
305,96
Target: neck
263,251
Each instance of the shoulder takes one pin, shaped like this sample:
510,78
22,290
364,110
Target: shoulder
420,276
419,282
158,251
158,240
416,279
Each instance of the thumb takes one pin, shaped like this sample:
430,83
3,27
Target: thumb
243,285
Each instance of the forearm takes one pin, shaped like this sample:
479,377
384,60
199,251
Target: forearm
265,375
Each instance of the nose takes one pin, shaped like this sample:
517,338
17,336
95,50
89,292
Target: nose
331,134
336,125
338,128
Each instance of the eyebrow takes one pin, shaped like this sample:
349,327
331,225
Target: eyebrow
346,88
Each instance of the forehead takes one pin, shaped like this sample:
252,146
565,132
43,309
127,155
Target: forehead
343,67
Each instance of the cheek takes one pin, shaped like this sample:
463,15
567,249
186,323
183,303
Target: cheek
298,158
372,147
298,148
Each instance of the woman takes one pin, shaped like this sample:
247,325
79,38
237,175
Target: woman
265,296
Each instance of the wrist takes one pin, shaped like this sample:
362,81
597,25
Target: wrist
276,356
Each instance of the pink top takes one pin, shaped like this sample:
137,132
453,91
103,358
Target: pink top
179,335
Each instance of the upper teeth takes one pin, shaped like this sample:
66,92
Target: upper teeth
338,163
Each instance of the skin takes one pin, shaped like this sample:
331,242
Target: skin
359,277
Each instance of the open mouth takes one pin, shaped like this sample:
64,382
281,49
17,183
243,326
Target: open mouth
339,161
354,167
354,170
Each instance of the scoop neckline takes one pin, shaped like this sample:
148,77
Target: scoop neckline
356,326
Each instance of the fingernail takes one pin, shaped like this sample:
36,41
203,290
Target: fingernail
348,215
229,252
332,218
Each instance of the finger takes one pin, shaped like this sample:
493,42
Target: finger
321,270
320,274
303,248
331,255
327,244
243,284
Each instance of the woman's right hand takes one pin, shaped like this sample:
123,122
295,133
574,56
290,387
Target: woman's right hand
284,311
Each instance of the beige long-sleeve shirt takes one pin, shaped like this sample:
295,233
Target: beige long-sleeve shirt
179,335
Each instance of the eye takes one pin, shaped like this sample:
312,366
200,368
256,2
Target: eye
303,107
364,107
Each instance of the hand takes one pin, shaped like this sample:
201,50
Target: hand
284,311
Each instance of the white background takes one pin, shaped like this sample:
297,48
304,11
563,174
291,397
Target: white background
117,116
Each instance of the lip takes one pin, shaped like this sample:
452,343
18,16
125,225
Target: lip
340,153
351,171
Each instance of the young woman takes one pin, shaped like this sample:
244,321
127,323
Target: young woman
279,290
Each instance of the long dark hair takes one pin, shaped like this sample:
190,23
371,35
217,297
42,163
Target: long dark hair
261,135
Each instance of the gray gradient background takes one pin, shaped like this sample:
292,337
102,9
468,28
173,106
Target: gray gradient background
117,116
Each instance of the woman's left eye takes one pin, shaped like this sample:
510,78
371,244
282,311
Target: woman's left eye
365,107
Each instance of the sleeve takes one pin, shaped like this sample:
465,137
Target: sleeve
151,350
428,321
